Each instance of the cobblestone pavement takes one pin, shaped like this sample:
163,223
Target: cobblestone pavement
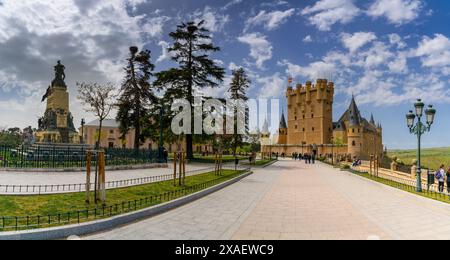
290,200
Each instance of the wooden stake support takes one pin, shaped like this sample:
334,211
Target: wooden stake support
102,177
88,176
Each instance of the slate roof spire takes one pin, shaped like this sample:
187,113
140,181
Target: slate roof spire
283,124
355,115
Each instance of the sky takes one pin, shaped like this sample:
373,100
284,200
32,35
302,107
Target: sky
387,53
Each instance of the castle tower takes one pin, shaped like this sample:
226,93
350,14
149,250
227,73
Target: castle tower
283,131
56,126
355,130
310,113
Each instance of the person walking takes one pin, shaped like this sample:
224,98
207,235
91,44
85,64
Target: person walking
440,176
448,180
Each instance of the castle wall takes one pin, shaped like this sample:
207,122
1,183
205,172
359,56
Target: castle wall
310,113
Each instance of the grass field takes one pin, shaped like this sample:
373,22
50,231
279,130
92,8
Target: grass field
61,203
261,162
431,158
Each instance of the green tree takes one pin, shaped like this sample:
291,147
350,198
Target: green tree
238,90
137,95
191,49
10,137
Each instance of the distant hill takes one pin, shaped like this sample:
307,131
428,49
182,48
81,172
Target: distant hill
431,157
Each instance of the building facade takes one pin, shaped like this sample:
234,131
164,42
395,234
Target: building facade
309,127
112,138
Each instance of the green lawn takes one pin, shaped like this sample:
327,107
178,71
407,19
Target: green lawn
212,159
431,158
142,196
261,162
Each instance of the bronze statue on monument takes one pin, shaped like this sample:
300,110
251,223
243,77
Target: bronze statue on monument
56,126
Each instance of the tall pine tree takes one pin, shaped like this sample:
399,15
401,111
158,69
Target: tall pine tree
137,95
238,91
191,49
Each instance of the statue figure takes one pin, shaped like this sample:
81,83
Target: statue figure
28,136
60,75
70,123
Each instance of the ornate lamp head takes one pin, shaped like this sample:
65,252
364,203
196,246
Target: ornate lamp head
410,117
430,112
419,105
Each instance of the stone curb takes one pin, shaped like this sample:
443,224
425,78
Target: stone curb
111,223
108,168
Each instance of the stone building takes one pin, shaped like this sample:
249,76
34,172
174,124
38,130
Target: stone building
309,127
112,138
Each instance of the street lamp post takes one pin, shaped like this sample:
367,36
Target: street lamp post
83,123
419,129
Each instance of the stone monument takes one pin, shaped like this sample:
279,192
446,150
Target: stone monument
56,126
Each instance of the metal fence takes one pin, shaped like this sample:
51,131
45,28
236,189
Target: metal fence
430,190
77,217
70,157
80,187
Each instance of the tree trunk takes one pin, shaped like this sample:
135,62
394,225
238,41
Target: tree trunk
97,146
189,137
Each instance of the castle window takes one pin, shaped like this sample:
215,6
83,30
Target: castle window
353,130
304,117
295,118
303,129
312,115
313,129
296,127
354,143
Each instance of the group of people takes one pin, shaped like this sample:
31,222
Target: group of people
308,158
443,176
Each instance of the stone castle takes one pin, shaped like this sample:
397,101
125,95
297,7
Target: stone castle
310,128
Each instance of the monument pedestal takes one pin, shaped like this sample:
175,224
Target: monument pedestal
57,124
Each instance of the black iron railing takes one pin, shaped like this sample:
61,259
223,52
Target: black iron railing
430,189
70,157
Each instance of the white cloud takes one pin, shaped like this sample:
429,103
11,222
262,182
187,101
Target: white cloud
271,86
154,26
377,55
90,37
397,12
395,39
314,70
357,40
400,64
270,20
434,52
231,3
308,39
165,54
260,48
325,13
214,21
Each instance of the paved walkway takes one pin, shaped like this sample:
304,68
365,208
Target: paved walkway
290,200
55,178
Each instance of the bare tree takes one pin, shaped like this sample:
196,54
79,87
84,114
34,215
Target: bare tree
98,99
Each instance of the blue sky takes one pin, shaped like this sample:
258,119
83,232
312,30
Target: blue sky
385,52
